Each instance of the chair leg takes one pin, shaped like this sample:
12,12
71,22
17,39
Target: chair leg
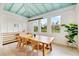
43,49
18,44
22,46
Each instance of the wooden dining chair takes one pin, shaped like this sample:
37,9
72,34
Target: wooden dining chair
19,40
40,47
28,42
47,46
24,42
44,48
35,45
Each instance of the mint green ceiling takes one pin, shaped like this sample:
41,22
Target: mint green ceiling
33,9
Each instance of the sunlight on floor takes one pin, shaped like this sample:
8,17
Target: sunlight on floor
11,50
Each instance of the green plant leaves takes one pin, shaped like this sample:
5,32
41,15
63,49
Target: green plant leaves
72,30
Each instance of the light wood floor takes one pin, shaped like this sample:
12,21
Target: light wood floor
11,50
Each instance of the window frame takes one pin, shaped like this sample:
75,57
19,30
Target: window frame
59,24
37,26
46,25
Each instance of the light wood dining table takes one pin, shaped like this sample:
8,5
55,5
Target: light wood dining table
45,40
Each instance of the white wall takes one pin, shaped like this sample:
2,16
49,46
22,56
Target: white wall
7,21
68,15
77,15
0,23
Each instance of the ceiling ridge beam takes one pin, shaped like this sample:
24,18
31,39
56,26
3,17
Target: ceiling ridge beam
35,19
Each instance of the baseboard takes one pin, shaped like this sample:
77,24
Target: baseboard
65,45
59,44
9,42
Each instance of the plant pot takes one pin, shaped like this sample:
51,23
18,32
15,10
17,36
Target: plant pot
34,35
69,44
73,45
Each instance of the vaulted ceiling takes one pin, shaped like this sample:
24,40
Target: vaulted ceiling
33,9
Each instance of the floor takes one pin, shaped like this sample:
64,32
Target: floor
11,50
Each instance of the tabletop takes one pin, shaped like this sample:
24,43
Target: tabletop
40,38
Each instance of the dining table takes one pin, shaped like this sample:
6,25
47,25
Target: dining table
45,40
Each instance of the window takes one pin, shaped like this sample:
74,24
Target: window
55,24
43,23
35,26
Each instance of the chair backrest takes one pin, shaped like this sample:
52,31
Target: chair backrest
18,38
34,43
24,40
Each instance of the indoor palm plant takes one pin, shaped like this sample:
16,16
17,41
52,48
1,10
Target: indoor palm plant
72,30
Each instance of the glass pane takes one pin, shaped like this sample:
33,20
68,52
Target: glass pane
8,6
16,7
32,6
29,9
35,23
44,25
55,24
21,11
27,14
56,6
48,6
41,7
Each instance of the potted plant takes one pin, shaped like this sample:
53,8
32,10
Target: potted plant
72,30
34,35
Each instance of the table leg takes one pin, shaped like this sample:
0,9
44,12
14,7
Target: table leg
50,46
43,50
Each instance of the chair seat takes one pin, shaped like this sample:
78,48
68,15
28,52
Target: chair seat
40,47
28,42
47,46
